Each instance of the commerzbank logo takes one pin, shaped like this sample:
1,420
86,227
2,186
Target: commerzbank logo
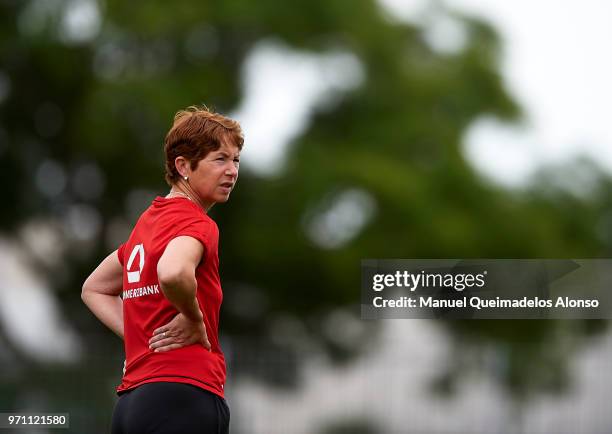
133,276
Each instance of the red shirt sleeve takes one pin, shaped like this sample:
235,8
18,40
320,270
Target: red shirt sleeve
199,229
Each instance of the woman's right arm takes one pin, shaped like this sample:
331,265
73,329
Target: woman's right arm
101,293
176,274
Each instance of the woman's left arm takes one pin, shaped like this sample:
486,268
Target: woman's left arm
101,293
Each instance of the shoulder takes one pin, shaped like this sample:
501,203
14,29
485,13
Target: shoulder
186,215
198,215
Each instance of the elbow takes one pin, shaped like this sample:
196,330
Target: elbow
169,277
88,289
85,291
172,277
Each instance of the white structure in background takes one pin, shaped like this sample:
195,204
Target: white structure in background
29,312
556,64
391,387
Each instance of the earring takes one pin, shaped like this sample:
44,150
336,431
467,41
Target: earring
185,178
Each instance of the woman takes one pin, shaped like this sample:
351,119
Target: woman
160,291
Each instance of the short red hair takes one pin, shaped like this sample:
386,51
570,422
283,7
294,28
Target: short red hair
196,131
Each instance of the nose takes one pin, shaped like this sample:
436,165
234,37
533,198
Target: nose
232,170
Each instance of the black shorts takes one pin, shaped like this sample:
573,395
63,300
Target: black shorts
168,408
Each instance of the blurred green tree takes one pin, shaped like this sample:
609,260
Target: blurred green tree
82,119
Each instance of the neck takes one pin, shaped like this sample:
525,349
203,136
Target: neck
183,189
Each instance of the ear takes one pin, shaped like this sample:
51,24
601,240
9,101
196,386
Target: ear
182,166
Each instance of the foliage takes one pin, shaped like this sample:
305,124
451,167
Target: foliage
108,101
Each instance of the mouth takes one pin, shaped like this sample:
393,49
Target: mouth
227,186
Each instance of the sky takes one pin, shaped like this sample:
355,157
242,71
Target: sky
557,64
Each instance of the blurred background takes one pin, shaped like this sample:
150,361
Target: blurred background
374,129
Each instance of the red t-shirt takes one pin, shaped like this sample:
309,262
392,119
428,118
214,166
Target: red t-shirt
145,307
